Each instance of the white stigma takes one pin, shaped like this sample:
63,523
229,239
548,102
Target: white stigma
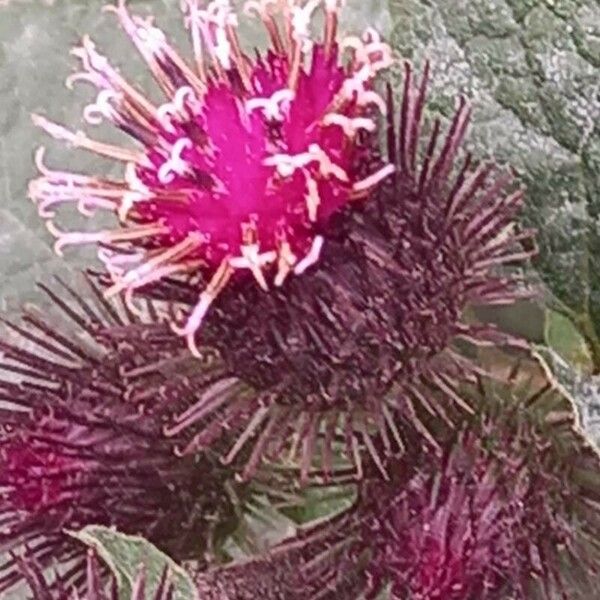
311,257
272,107
300,22
175,163
349,125
253,260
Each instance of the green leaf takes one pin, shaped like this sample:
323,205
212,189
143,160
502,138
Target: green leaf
531,68
261,527
124,554
563,337
320,503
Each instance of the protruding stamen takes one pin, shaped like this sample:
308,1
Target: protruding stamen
192,21
87,206
164,114
213,289
175,253
272,107
326,166
102,108
375,179
366,48
185,95
39,162
353,89
254,261
80,140
300,23
331,23
262,8
56,187
127,203
296,62
69,187
58,132
222,48
287,164
100,73
286,261
137,192
175,165
218,24
370,97
354,43
113,261
371,35
221,13
132,179
238,55
154,276
107,237
312,257
351,126
153,46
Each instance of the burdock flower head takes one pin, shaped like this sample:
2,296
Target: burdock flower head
508,510
244,162
81,443
365,342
